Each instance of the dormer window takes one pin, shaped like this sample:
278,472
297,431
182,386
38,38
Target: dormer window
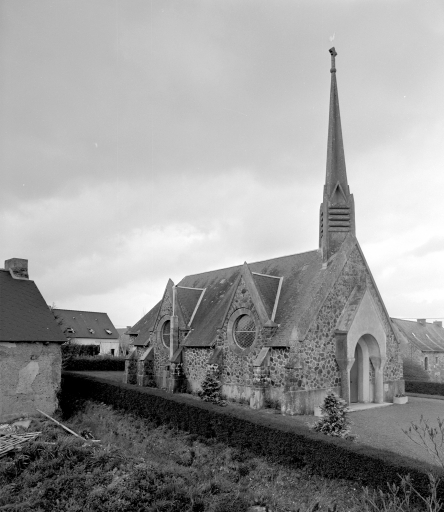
70,330
92,331
108,331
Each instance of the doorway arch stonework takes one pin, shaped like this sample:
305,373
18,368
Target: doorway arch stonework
360,325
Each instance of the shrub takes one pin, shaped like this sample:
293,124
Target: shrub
296,445
426,388
335,421
98,363
80,350
414,371
211,386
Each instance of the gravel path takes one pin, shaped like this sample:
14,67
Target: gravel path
380,427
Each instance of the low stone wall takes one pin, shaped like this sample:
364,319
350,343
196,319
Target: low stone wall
29,378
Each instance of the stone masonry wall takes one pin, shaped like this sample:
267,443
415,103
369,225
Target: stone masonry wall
195,364
29,378
238,367
317,352
435,365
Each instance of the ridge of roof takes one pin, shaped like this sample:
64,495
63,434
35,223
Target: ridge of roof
82,311
414,332
251,263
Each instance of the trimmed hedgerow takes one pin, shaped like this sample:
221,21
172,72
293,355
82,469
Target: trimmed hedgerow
296,445
97,364
426,388
69,349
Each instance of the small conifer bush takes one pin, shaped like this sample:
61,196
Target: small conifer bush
335,421
211,386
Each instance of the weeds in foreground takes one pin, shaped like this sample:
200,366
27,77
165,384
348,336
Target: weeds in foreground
140,467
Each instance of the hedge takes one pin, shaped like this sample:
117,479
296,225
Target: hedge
426,388
263,435
71,350
96,364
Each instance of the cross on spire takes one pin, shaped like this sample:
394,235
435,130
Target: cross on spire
333,54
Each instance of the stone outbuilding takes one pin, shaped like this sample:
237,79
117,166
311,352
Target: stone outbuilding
284,331
423,343
89,328
30,339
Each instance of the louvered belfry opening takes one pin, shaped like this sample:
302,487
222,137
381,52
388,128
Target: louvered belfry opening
339,218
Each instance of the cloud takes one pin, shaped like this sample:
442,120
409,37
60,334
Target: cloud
436,244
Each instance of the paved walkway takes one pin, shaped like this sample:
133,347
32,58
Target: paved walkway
381,427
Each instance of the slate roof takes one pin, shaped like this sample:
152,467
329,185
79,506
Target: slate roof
427,338
188,299
146,324
24,314
82,321
268,288
305,286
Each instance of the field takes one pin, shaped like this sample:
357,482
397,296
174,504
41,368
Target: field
139,467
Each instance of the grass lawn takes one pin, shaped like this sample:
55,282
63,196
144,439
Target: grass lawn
138,467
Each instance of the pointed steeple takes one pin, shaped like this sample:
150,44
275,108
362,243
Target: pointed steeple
337,215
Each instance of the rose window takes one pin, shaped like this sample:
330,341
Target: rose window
245,331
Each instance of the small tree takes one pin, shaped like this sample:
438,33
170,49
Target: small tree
335,421
211,386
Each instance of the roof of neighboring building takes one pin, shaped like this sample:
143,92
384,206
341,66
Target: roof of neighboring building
86,324
427,337
24,314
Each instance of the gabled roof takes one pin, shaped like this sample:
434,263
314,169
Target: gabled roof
86,324
24,314
144,326
188,299
305,285
427,338
268,288
351,308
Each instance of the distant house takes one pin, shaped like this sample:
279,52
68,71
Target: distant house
423,342
89,328
30,355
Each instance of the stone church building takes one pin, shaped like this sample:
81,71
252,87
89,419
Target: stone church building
285,330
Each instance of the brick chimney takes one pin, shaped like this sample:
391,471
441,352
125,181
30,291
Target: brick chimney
421,321
18,268
438,323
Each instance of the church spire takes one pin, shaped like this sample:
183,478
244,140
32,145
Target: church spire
337,216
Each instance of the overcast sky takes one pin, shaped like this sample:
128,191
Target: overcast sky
142,140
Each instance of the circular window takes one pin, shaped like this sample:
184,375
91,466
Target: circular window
244,331
166,329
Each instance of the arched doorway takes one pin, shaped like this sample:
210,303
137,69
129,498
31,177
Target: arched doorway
367,359
361,349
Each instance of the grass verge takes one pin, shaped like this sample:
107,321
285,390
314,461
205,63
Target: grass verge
138,466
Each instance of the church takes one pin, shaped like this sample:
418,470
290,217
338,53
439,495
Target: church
280,332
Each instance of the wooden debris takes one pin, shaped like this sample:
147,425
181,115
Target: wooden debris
66,428
9,442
